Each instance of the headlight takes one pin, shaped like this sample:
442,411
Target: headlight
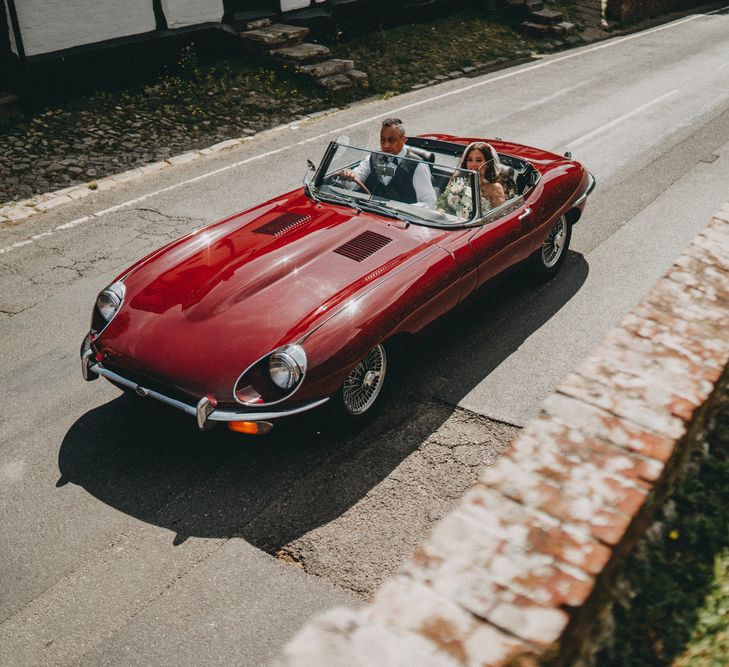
272,378
287,366
107,306
109,301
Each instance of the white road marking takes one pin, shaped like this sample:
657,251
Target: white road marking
340,130
549,98
723,66
620,119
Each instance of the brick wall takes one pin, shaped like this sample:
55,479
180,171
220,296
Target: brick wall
595,12
519,572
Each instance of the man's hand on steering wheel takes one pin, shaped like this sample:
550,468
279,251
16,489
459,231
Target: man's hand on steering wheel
346,174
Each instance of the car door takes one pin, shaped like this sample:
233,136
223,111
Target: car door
503,238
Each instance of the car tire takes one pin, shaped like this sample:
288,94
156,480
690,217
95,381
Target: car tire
359,397
550,256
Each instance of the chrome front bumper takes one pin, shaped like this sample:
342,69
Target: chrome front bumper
203,411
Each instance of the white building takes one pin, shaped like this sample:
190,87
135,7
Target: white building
39,27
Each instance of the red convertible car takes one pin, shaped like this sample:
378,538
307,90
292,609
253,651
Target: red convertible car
297,302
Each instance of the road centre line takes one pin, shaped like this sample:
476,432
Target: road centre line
620,119
340,130
548,98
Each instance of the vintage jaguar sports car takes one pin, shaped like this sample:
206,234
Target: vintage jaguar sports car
298,301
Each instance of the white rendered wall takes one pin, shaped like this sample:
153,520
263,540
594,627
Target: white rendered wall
289,5
181,13
53,25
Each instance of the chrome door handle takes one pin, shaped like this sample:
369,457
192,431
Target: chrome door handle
527,212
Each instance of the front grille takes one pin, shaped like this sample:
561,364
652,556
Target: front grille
148,383
363,246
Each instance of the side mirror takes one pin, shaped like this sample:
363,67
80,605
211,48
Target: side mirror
311,165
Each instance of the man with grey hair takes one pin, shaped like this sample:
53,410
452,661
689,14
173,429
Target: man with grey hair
391,177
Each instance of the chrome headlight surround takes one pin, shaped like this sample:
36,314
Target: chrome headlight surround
287,366
273,378
107,305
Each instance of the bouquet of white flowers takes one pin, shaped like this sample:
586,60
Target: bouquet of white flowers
457,199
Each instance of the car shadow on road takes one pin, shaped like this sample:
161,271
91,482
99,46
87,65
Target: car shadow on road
151,462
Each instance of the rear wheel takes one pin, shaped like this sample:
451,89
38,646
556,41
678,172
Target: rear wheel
547,260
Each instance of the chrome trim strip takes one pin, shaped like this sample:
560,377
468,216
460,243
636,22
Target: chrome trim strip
220,416
588,190
216,415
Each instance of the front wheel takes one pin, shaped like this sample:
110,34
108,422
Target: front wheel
357,399
547,260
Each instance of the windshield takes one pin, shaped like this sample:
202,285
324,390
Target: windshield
408,188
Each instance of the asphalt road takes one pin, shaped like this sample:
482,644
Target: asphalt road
128,537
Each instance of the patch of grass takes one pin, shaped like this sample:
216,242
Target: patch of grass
400,57
675,609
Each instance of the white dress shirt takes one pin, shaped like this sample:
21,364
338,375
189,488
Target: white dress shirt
422,185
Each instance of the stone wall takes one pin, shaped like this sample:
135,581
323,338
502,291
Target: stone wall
519,572
627,11
599,12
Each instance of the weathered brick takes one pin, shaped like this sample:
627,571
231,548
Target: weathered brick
593,420
720,223
541,625
586,554
675,302
714,240
662,379
707,258
633,409
407,606
488,645
722,215
709,351
591,448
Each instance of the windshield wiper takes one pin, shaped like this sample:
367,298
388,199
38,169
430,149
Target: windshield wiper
382,208
339,199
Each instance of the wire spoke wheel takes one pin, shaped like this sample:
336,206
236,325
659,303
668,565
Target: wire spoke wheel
554,244
364,382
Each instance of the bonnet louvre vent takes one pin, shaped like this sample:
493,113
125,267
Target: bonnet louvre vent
363,246
284,223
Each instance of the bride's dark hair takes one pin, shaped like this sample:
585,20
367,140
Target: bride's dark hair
489,154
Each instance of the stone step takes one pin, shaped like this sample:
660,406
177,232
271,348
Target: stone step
536,28
533,5
301,52
326,68
565,27
546,16
359,78
258,23
335,82
277,34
